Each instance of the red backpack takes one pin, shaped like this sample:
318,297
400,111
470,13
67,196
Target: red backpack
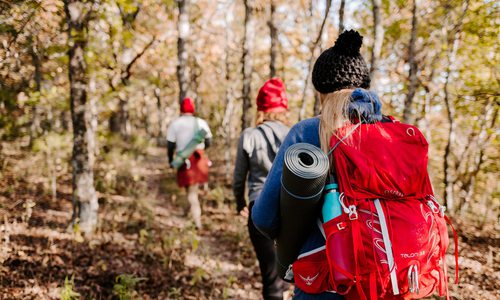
390,242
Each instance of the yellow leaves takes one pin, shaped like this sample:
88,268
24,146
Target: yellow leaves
128,39
199,275
128,6
143,236
78,237
195,242
102,264
28,210
67,292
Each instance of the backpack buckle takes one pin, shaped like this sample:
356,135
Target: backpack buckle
442,209
353,214
432,206
341,226
436,207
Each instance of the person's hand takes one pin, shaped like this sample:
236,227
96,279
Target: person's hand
244,212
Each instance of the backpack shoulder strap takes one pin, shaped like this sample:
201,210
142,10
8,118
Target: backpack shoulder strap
389,119
273,145
196,124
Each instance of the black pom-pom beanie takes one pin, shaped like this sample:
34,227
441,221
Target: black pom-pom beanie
341,66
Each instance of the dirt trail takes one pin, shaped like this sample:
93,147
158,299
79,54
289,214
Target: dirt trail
223,252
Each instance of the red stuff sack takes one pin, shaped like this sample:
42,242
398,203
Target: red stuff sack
390,241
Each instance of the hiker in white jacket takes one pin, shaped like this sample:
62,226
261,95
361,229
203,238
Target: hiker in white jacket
195,169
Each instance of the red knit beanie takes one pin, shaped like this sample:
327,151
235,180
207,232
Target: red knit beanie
272,97
187,106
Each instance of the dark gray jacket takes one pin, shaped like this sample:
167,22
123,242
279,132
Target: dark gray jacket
257,149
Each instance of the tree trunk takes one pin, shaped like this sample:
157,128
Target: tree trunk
119,121
378,39
85,205
317,104
341,16
448,180
92,122
123,117
35,126
247,65
273,32
317,100
182,55
195,80
430,92
146,116
313,47
226,126
490,114
450,113
413,80
161,134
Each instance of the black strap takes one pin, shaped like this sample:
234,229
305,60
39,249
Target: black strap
273,146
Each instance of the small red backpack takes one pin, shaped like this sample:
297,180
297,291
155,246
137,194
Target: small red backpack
391,239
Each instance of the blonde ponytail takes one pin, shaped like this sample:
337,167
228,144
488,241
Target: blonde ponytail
333,115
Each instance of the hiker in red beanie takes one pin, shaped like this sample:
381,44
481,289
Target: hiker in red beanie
188,136
257,148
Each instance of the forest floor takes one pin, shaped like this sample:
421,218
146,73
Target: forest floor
146,247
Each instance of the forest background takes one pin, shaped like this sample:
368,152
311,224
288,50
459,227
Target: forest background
88,206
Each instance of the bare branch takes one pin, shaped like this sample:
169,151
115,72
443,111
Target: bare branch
126,75
128,19
28,19
313,47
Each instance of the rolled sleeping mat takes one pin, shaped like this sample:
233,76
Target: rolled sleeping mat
182,155
305,170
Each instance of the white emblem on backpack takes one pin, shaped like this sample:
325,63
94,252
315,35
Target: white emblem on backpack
309,280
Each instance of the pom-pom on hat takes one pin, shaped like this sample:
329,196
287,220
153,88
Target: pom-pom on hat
272,96
341,66
187,106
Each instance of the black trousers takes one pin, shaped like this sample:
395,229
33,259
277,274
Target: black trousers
273,286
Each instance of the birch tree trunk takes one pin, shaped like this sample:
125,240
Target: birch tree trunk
490,114
92,121
182,54
247,65
226,128
273,32
378,39
85,205
413,80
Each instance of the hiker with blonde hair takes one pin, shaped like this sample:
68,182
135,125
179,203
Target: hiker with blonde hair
257,149
341,78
